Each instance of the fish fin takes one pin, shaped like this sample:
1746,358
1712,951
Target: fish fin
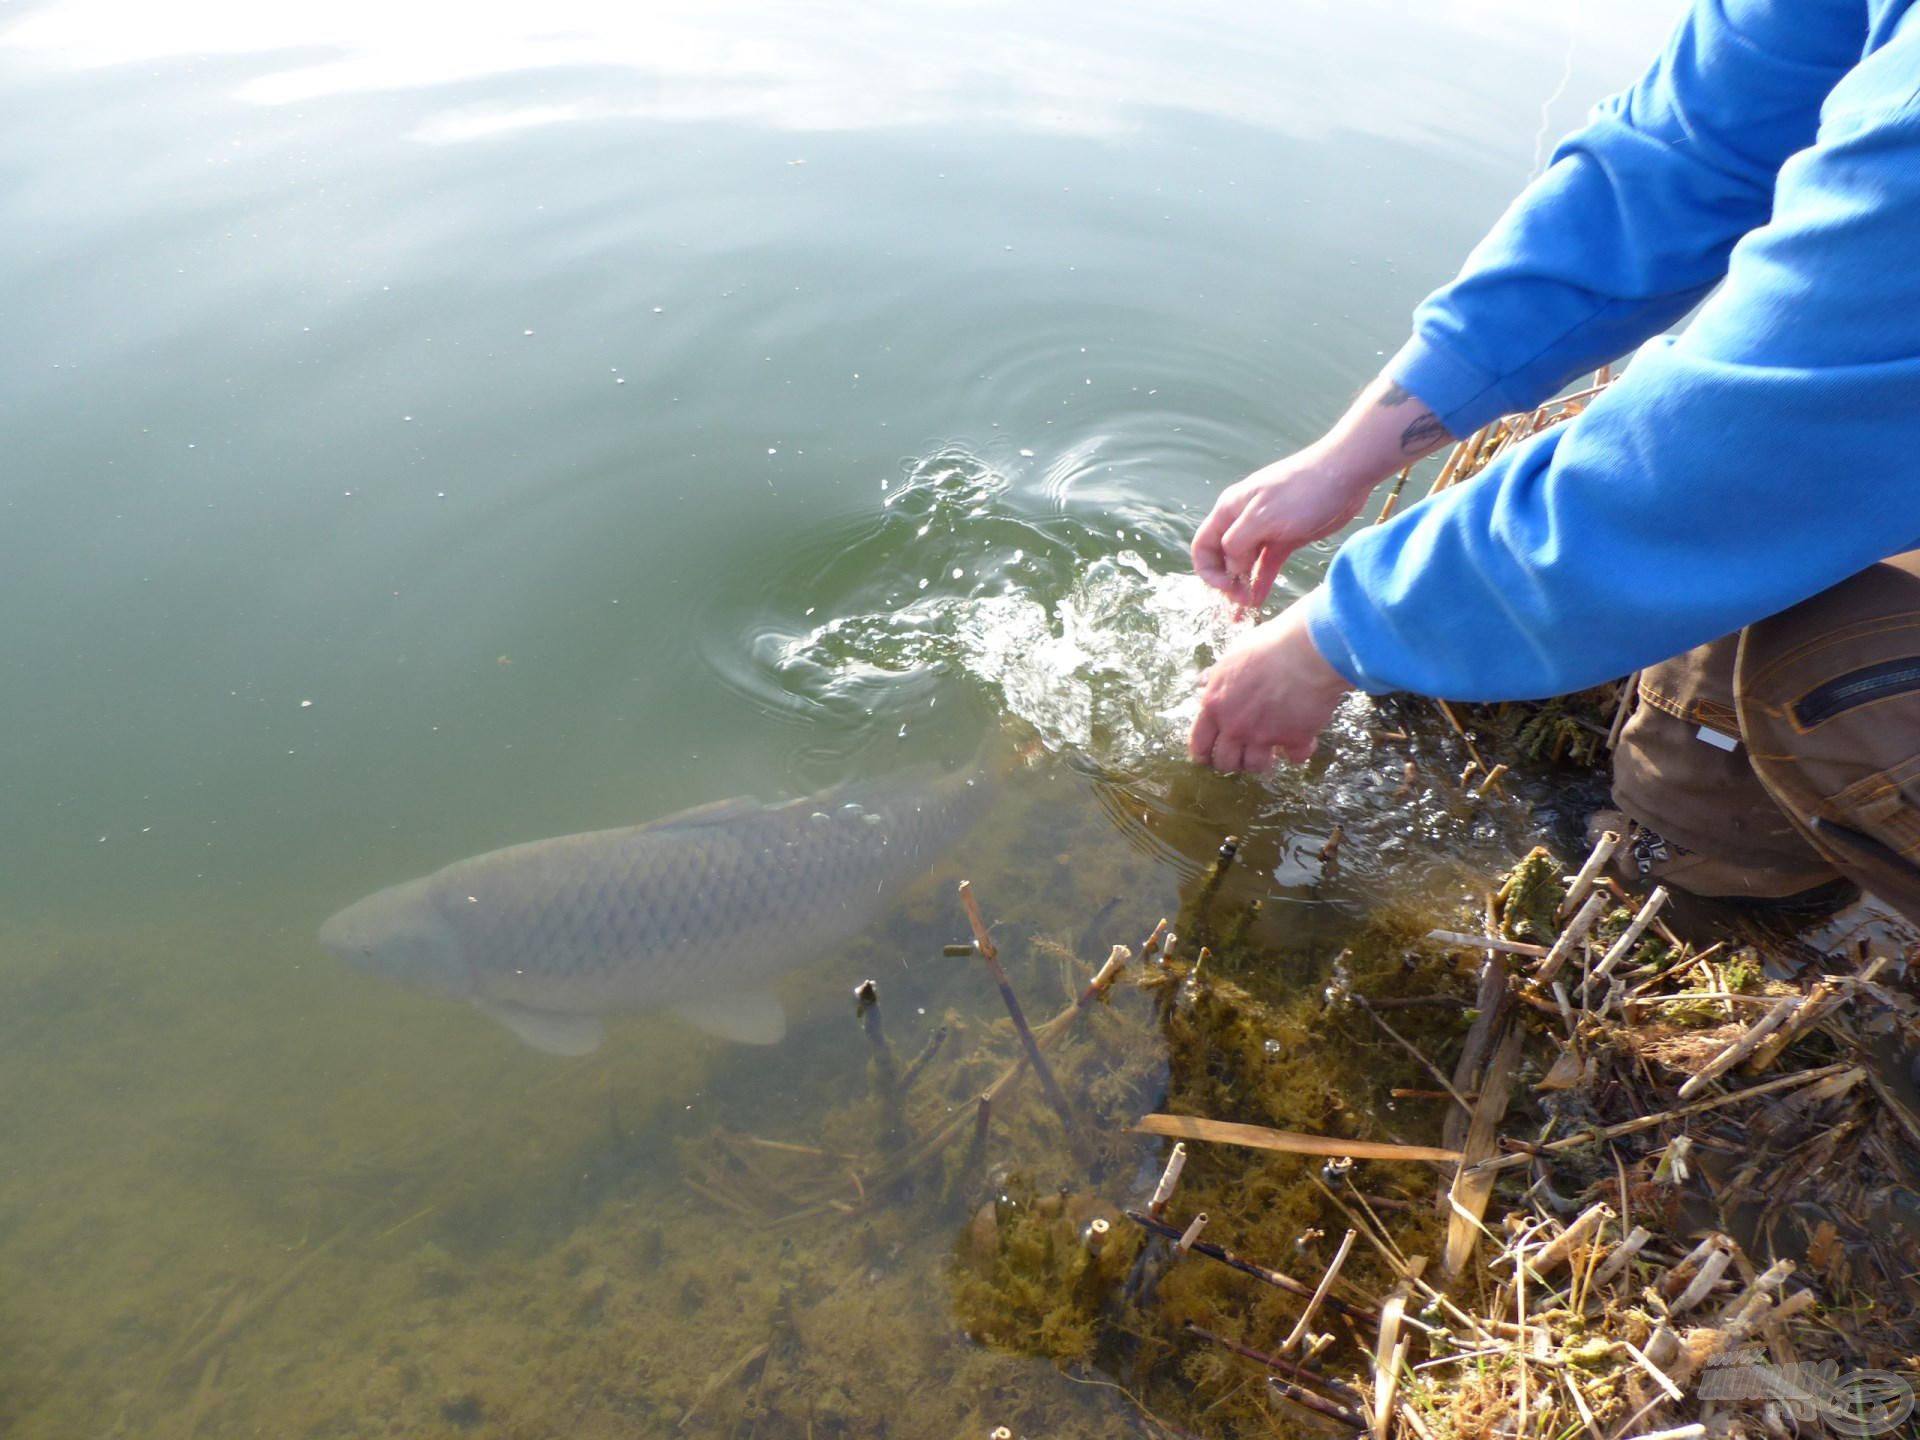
547,1030
756,1018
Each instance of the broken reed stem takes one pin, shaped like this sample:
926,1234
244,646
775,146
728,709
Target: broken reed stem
1393,495
1628,938
1271,1277
983,942
1291,1369
1755,1037
1473,750
1169,1178
1620,1256
1487,942
1569,939
1629,691
1648,1122
1596,861
885,1070
1579,1233
1299,1331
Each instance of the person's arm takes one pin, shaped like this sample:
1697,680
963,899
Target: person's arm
1261,520
1632,222
1628,228
1768,452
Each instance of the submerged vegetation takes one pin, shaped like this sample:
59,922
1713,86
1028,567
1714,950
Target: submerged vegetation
1523,1160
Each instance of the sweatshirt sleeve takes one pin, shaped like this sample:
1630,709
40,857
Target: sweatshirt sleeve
1769,452
1632,222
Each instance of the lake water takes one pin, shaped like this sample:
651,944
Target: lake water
429,428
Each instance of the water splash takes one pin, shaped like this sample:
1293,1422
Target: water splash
1086,627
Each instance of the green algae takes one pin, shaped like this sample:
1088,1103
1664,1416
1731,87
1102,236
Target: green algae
1529,900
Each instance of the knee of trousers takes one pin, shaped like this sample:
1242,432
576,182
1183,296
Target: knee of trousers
1828,699
1680,771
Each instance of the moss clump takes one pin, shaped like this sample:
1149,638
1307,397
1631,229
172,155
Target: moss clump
1530,899
1033,1272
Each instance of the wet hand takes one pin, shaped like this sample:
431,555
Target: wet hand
1259,522
1271,694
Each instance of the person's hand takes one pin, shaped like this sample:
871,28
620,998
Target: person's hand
1272,693
1260,521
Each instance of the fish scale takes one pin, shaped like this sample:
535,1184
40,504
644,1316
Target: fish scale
693,912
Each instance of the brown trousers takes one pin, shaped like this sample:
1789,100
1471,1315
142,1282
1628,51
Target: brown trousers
1788,754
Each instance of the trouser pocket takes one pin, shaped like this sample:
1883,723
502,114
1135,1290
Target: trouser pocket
1828,698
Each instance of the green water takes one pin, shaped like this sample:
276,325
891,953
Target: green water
429,428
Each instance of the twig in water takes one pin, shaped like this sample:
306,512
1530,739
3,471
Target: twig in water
1299,1331
1272,1277
1649,1122
923,1059
1291,1369
989,953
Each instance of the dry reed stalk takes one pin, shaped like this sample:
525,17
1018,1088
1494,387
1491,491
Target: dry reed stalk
1839,1070
1756,1035
1473,1188
1583,879
1711,1269
1580,1232
1288,1368
1621,1254
1473,750
1278,1279
1169,1179
989,953
1623,708
1827,995
1389,1350
244,1312
1393,495
1628,938
1487,942
1493,999
721,1377
1299,1331
1288,1142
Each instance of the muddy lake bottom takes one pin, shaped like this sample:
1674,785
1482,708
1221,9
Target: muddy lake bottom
248,1193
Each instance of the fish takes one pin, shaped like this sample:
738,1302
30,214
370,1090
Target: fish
697,913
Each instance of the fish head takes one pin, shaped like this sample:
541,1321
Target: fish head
399,935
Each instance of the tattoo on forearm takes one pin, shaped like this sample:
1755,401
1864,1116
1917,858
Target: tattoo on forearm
1423,435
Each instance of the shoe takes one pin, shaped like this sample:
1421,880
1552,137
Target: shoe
1645,857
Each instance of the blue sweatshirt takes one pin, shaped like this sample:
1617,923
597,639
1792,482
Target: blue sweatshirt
1768,452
